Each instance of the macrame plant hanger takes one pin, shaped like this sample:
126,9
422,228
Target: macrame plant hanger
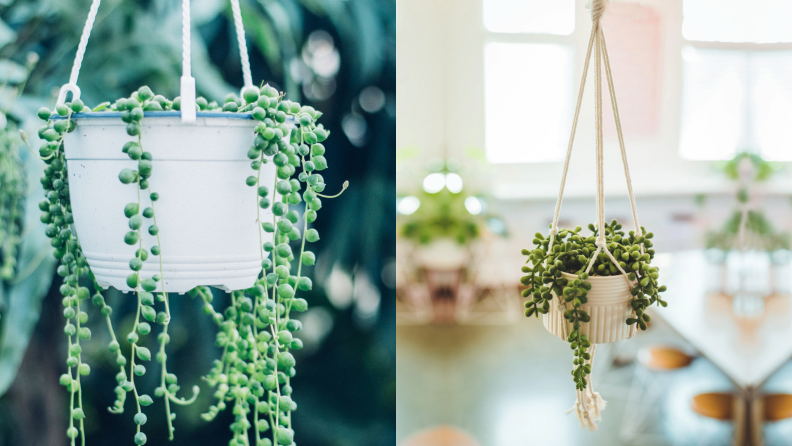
589,404
187,92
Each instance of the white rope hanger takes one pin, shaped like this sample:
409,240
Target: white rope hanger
187,92
589,403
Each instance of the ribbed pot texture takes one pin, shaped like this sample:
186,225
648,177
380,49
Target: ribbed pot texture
206,214
608,305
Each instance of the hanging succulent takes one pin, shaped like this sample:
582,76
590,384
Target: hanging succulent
256,330
211,235
571,254
592,289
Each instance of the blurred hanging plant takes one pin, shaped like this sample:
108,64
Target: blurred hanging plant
759,232
13,190
762,170
25,269
747,169
444,211
441,215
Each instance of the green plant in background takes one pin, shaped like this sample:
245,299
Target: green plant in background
572,253
13,190
442,215
760,233
254,371
757,231
444,210
25,267
763,170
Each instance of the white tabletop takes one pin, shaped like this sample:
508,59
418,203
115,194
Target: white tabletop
747,349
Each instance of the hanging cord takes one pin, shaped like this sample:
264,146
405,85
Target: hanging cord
187,93
589,403
600,155
601,242
561,304
78,58
554,227
617,120
243,53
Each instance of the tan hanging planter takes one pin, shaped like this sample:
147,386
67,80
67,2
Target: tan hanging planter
613,283
609,307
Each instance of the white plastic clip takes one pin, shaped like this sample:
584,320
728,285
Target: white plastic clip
187,105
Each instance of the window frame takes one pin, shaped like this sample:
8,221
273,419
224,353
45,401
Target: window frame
744,47
572,41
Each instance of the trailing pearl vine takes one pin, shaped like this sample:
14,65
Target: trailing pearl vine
572,253
256,330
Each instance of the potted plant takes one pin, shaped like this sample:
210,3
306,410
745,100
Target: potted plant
588,297
594,288
153,196
748,231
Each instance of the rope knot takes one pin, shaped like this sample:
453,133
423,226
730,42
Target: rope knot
597,8
553,231
601,243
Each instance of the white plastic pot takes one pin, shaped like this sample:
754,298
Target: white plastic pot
608,305
206,214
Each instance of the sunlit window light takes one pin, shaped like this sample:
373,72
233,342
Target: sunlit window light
771,106
473,205
713,104
756,21
454,183
527,109
734,100
434,183
530,16
407,205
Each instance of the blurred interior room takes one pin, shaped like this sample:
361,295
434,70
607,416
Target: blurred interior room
486,97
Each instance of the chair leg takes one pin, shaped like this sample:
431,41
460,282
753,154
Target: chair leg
630,425
645,391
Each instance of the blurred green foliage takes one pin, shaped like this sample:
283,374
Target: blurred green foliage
442,215
337,55
747,169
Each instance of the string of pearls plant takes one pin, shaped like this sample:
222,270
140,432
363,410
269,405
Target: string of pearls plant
256,331
13,189
572,252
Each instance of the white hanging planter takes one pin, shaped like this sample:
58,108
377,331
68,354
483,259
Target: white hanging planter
206,214
608,306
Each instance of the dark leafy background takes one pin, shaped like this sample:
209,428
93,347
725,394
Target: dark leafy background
336,55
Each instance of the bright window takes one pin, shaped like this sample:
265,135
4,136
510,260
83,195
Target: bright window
771,94
527,98
736,93
530,16
713,104
755,21
529,63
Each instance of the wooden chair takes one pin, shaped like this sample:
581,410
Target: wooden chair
664,359
728,407
720,406
441,436
652,377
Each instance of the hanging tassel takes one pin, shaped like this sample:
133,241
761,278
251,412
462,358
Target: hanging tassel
583,409
596,405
